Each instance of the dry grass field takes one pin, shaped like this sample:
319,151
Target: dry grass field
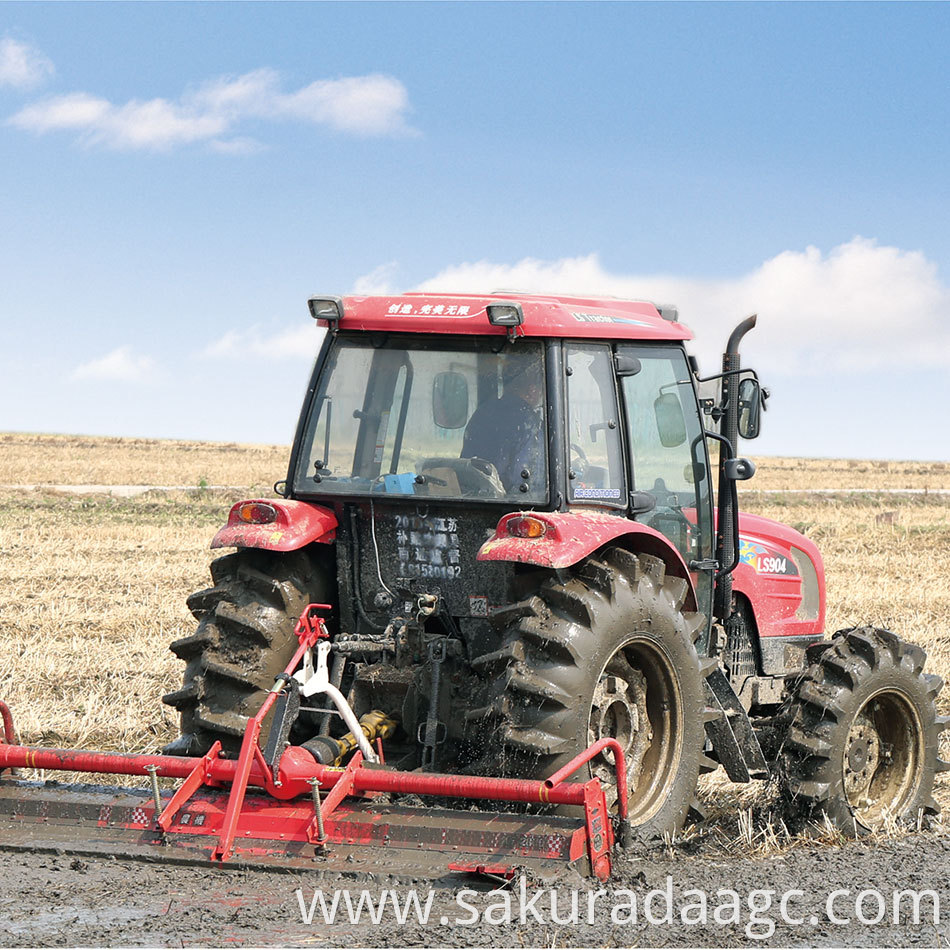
92,588
851,474
28,459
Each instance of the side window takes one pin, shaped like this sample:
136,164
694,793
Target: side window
593,433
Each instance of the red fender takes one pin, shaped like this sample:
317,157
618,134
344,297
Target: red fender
295,524
571,536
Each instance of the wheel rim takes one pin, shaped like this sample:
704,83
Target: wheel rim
638,702
883,758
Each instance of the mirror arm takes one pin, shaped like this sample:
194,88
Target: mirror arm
732,372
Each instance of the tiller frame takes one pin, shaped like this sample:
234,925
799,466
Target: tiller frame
264,826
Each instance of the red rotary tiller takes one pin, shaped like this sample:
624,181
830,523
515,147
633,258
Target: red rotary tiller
302,813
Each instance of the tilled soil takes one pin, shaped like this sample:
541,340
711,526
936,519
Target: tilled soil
69,901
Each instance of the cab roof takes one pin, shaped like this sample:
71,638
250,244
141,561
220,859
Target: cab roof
544,316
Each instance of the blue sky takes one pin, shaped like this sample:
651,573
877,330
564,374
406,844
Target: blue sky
178,178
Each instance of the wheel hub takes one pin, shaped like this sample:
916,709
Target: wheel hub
619,711
613,713
858,755
862,756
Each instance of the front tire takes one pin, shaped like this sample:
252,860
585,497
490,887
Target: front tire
609,651
861,747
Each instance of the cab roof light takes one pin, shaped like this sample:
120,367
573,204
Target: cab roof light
505,314
668,312
326,308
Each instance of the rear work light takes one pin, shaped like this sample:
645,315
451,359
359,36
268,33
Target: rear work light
526,527
326,308
506,314
255,512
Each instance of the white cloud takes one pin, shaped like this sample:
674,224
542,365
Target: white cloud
378,281
250,94
119,365
23,66
299,342
154,124
364,105
75,111
860,306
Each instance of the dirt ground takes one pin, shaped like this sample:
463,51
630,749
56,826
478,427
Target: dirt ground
62,901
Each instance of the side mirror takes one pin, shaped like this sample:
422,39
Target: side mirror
627,365
450,400
670,424
750,408
738,470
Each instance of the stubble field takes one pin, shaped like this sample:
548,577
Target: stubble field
92,587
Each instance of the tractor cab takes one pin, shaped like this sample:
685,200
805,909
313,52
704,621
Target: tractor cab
573,405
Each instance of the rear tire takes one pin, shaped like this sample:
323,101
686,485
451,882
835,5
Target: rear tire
245,637
861,746
608,652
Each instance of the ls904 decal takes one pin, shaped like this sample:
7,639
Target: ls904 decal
764,561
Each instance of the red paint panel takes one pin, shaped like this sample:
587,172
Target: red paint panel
545,316
298,523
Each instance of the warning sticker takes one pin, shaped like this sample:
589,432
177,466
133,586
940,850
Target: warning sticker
596,492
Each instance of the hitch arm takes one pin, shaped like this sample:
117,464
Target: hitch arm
310,628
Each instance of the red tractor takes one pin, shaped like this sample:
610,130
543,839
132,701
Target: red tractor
499,571
509,502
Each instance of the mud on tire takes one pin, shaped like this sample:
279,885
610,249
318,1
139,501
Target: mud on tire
862,733
245,637
609,651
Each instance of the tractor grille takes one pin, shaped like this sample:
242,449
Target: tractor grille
739,651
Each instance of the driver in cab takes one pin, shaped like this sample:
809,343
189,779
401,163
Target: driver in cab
507,431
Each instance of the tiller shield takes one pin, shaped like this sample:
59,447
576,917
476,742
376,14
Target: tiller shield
292,811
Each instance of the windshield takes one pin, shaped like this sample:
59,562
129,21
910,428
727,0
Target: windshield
428,419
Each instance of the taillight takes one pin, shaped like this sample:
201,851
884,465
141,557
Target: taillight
526,527
254,512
